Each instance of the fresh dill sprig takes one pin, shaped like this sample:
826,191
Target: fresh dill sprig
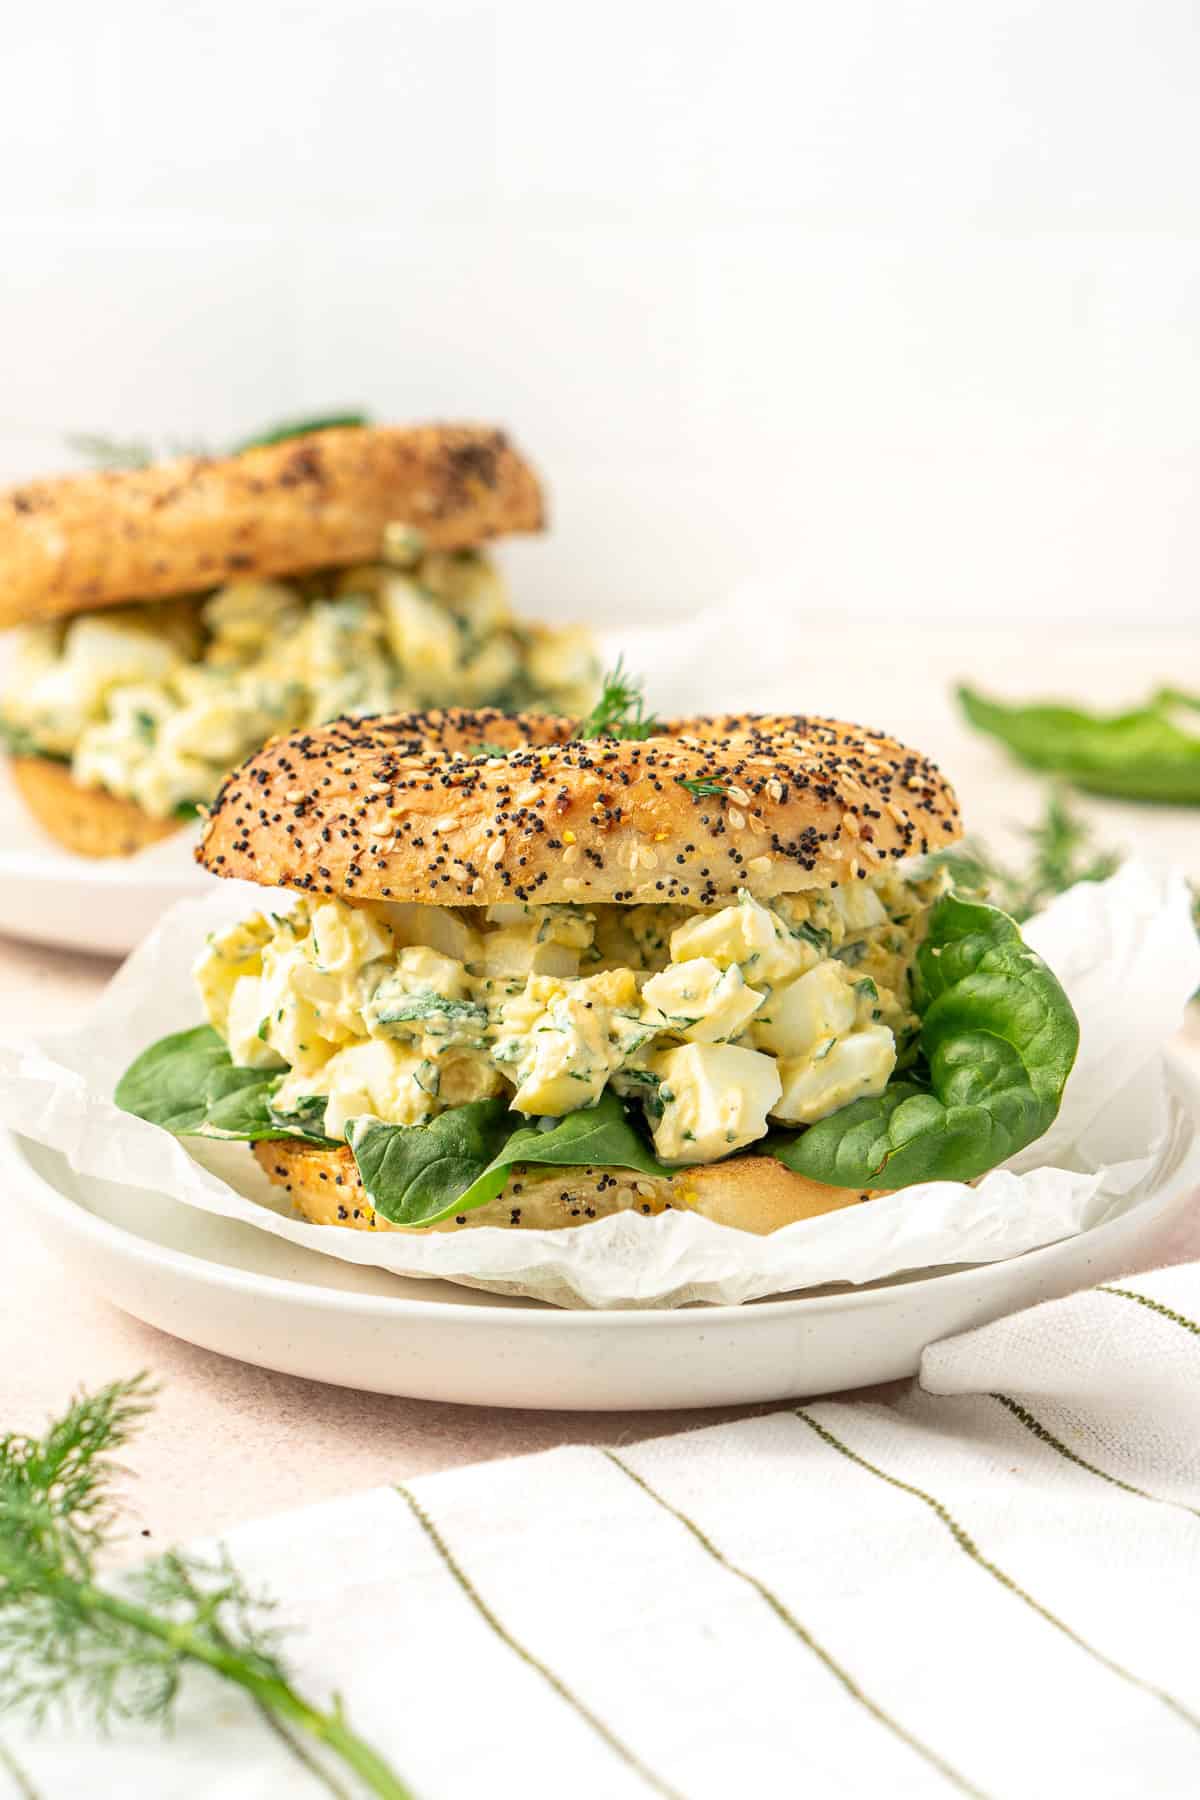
112,453
701,788
116,1650
620,710
1061,855
290,428
104,452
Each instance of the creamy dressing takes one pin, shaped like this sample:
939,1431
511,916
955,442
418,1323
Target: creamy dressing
720,1023
158,702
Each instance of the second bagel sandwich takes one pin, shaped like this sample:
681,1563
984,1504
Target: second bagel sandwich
534,976
174,617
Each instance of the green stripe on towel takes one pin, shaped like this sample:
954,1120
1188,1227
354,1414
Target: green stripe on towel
793,1624
968,1545
1046,1436
1154,1306
531,1661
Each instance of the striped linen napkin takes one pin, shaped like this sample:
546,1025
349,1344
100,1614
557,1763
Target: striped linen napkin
988,1587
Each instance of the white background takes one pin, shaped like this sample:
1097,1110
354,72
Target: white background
891,306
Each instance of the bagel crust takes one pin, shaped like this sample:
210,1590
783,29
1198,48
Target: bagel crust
407,808
749,1193
79,542
88,821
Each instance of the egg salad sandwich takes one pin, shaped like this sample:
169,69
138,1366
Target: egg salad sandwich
538,972
172,618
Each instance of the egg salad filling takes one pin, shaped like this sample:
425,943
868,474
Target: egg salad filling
157,702
720,1023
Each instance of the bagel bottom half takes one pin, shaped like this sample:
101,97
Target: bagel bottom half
751,1193
85,820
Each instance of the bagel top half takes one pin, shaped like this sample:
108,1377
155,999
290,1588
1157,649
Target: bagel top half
476,808
79,542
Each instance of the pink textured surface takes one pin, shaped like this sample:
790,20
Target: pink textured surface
228,1441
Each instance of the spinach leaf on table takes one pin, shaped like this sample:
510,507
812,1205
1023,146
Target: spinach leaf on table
998,1040
1142,754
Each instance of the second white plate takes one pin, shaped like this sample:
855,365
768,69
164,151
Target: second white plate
101,904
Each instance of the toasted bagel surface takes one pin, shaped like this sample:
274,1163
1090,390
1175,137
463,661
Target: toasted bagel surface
750,1193
408,807
84,541
85,820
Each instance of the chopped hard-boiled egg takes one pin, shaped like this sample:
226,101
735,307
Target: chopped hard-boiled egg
442,928
699,1001
748,934
562,1040
803,1013
423,635
216,678
838,1071
345,937
226,957
715,1099
244,1027
385,1079
718,1023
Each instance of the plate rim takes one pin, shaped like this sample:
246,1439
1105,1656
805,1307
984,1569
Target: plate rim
199,1269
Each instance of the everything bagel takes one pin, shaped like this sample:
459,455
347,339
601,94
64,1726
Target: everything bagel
477,808
748,1193
79,542
533,977
170,619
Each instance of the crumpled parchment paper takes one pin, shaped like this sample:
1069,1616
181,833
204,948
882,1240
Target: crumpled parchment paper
1125,950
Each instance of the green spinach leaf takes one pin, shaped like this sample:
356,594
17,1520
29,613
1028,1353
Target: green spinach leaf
603,1136
415,1174
187,1084
1142,754
418,1174
998,1040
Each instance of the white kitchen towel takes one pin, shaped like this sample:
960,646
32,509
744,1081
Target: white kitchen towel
988,1586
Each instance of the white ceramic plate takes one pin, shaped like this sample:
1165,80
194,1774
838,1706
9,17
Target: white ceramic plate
256,1297
102,904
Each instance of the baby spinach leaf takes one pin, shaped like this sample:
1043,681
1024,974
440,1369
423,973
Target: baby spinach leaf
1142,754
418,1174
168,1083
187,1084
414,1174
239,1104
603,1136
998,1040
